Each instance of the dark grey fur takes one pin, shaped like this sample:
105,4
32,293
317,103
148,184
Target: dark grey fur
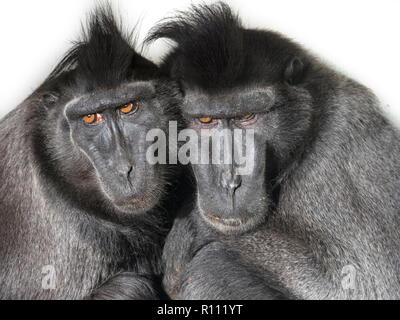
325,193
59,187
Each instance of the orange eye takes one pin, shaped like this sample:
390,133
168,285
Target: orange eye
130,108
246,117
206,120
93,118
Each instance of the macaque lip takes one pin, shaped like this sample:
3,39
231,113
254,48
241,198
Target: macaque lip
232,223
132,201
232,226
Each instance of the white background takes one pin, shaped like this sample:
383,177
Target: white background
359,37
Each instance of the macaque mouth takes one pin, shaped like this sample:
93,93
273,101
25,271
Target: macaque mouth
132,201
232,223
233,226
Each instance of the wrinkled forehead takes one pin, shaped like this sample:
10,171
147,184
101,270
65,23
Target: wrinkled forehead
230,103
103,99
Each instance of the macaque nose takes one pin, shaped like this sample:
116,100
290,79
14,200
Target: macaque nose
125,171
230,181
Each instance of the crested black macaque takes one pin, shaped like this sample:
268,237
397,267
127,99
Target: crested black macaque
319,216
82,213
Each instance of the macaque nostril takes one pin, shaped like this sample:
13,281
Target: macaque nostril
230,181
125,171
237,181
130,171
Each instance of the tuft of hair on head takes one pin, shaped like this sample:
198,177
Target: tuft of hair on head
209,42
105,55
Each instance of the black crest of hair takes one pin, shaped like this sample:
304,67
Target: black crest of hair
105,55
216,58
213,47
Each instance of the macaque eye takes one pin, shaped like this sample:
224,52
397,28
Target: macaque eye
206,120
130,108
93,118
246,117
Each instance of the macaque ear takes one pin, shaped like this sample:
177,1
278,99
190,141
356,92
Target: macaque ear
50,97
294,72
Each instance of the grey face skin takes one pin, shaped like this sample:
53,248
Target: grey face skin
230,202
115,143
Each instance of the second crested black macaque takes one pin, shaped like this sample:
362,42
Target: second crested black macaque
318,217
83,215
